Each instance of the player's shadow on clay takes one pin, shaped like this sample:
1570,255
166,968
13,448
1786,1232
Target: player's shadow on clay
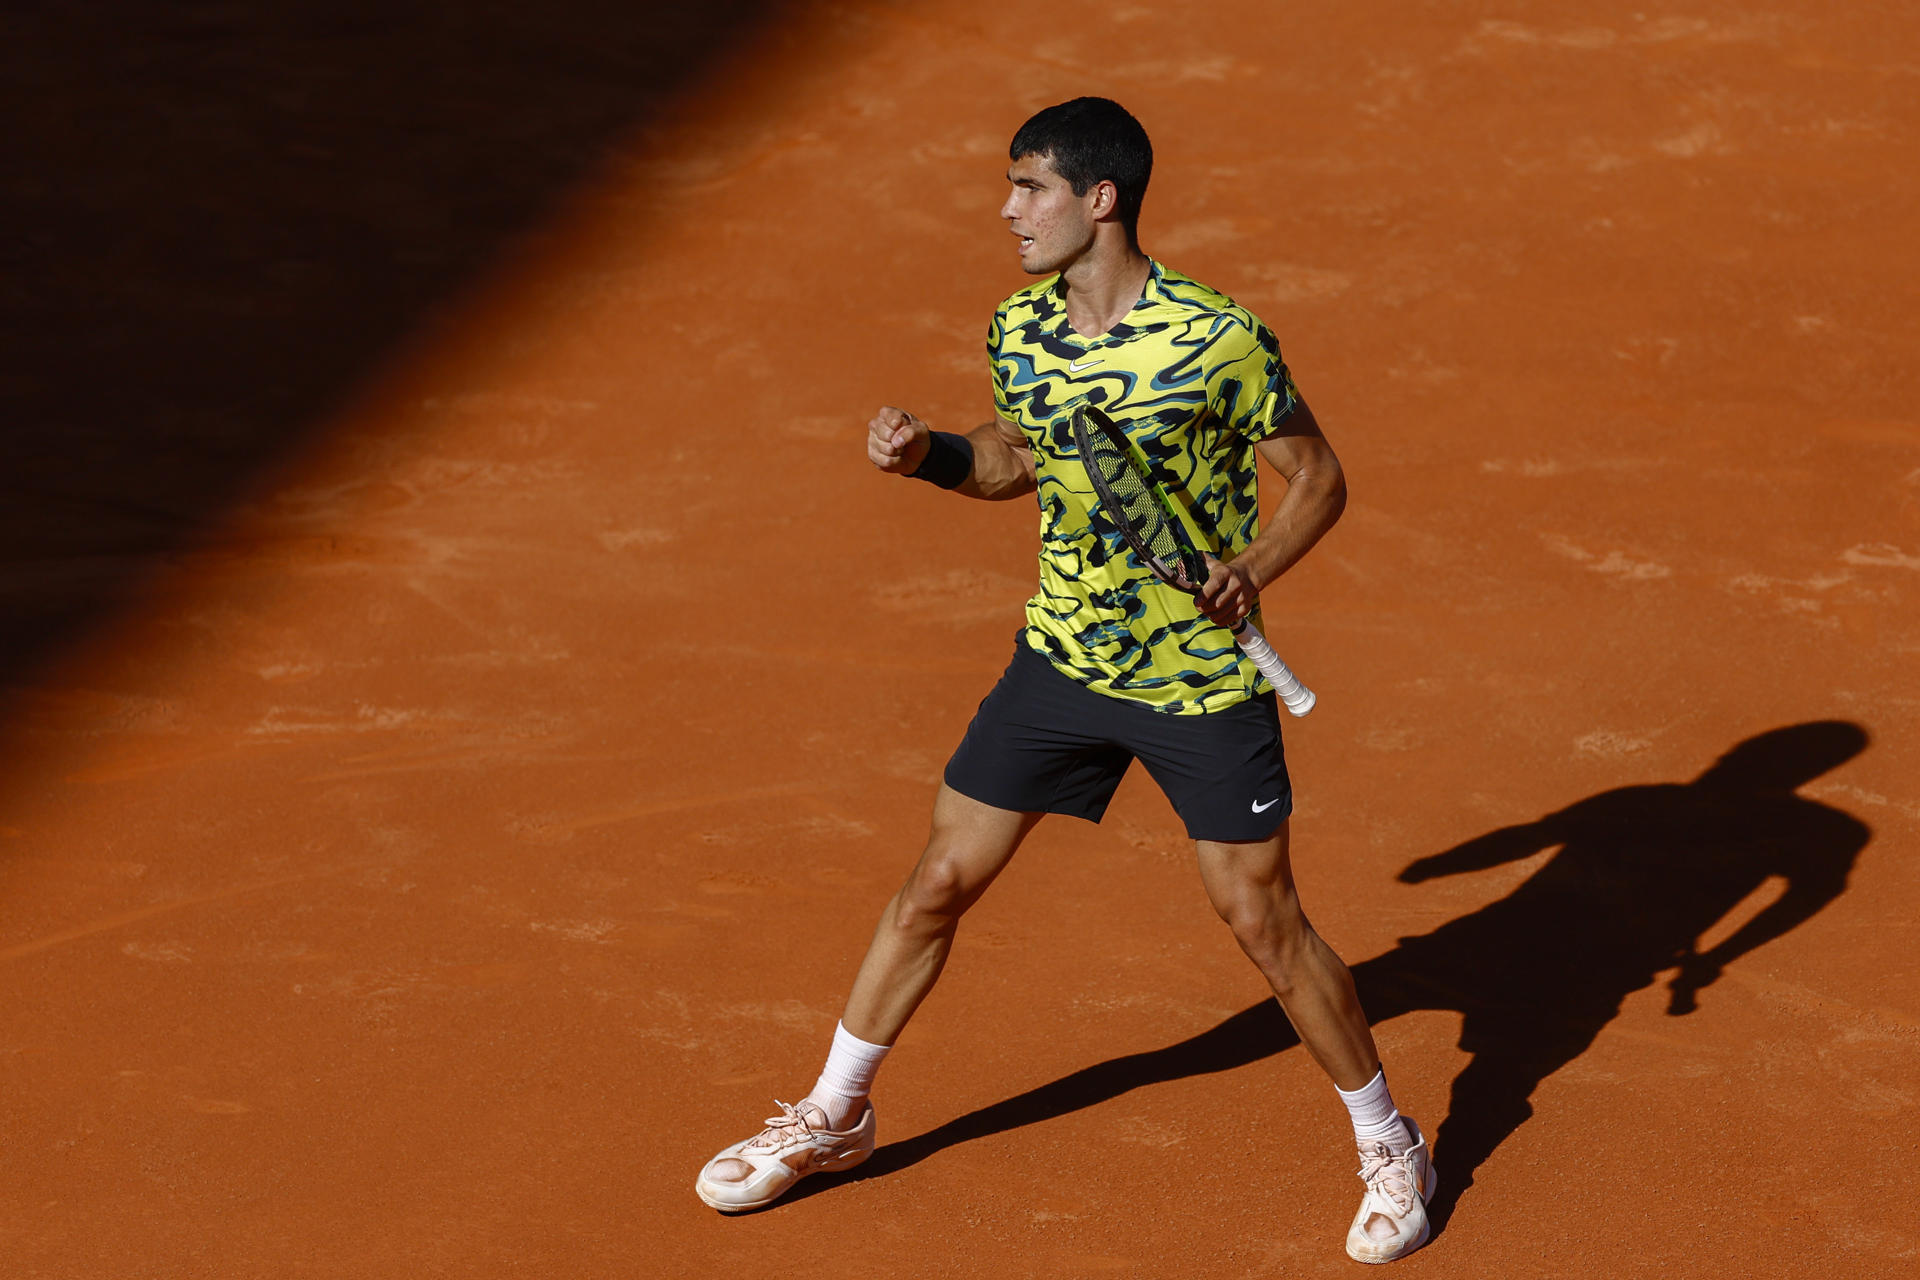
1639,875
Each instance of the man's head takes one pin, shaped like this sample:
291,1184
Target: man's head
1090,149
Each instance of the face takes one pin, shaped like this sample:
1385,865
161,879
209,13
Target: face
1054,225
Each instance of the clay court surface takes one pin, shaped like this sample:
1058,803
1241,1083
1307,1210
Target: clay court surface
467,696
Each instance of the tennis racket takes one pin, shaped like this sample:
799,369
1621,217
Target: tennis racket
1162,534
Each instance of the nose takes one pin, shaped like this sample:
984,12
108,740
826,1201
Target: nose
1006,206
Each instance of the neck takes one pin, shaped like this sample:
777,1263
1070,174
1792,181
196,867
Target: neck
1103,283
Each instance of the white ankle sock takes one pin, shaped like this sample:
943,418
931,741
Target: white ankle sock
848,1076
1375,1118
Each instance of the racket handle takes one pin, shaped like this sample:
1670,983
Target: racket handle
1298,697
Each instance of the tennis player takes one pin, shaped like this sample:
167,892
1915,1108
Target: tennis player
1112,665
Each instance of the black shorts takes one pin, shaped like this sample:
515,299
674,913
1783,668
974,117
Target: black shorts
1044,743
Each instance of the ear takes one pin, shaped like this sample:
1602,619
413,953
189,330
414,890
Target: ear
1106,198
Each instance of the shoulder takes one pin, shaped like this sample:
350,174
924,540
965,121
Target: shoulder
1209,311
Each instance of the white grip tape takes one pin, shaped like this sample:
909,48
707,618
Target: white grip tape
1298,697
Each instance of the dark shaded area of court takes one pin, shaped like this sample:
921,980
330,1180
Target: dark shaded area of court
222,217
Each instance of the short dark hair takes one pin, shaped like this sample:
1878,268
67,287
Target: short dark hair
1092,140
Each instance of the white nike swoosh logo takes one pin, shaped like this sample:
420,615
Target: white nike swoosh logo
1078,365
1262,808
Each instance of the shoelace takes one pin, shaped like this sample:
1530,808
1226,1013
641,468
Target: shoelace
1390,1175
777,1133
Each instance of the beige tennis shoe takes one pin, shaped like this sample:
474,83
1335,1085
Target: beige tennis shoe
1392,1221
755,1173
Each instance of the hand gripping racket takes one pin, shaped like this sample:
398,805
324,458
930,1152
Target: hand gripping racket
1162,534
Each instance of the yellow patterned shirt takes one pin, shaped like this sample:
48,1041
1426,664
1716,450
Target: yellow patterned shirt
1195,379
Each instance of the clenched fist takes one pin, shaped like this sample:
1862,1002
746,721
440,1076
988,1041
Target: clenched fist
897,441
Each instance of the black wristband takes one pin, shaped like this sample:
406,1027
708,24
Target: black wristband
949,460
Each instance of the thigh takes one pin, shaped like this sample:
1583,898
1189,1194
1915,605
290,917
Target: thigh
1248,876
968,849
969,846
976,838
1225,772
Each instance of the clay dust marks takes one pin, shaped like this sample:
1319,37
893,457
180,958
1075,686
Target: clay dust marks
124,919
1607,744
1882,555
1697,91
463,756
1702,138
1613,563
598,931
778,654
1550,468
1859,602
633,538
158,952
783,831
1640,31
557,829
124,761
1851,793
290,722
1289,284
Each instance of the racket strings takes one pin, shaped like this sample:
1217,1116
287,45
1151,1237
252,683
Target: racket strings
1134,505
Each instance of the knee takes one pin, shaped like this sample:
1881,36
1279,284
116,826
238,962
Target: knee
1273,936
934,896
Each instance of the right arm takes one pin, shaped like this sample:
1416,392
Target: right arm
1003,466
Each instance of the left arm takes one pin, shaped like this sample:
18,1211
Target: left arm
1316,495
